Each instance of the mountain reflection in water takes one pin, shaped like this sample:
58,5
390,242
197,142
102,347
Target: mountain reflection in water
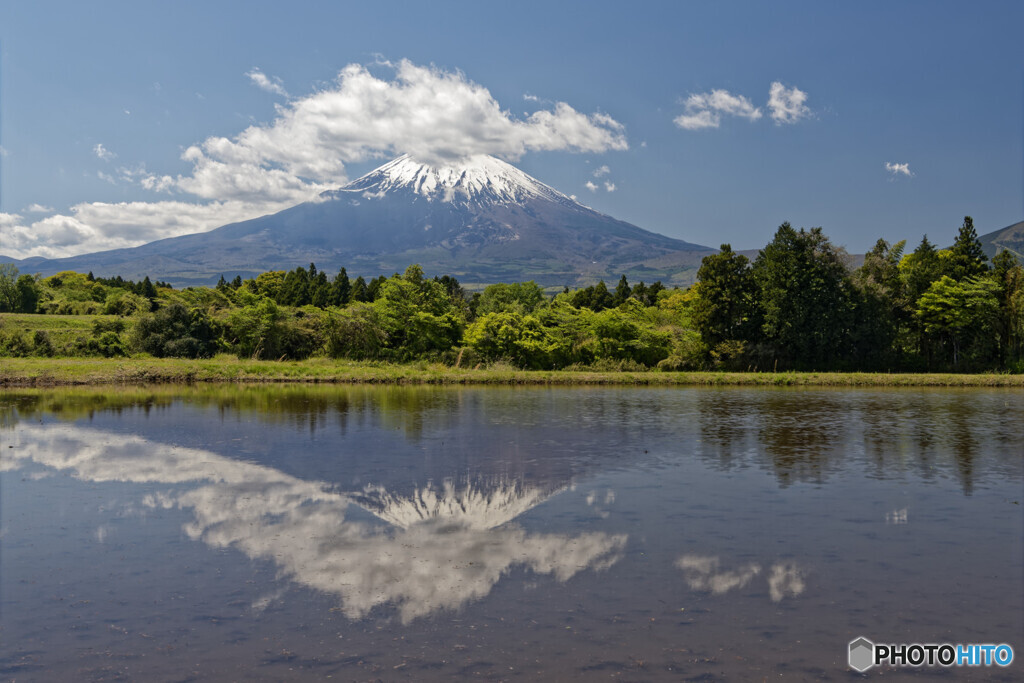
447,544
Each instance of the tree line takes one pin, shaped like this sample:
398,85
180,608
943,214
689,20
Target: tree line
797,305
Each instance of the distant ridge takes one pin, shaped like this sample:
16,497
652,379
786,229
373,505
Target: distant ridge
1010,238
481,221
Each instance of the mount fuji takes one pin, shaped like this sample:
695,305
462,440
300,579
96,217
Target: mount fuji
481,221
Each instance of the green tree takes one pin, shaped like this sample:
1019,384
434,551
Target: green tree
622,291
621,334
878,307
520,339
967,258
723,306
268,284
416,314
28,294
176,331
320,290
341,289
803,297
257,329
596,297
360,292
962,313
520,297
1008,275
352,332
295,290
9,298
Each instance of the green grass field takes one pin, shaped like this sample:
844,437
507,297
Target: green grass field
63,330
21,372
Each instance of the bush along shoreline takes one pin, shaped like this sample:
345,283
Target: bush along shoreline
796,307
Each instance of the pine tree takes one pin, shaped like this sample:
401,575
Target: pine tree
724,306
359,290
967,256
622,291
341,289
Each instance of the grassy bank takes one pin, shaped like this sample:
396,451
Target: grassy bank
24,372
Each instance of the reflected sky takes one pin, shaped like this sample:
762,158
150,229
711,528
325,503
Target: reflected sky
448,545
438,533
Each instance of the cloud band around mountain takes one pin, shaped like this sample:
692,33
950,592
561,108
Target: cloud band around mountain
435,115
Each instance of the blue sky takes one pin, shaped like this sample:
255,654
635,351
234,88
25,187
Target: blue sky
890,119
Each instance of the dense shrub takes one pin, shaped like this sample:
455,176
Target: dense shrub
175,331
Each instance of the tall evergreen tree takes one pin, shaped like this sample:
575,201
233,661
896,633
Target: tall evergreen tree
622,291
803,297
967,258
601,298
724,305
360,291
320,290
341,288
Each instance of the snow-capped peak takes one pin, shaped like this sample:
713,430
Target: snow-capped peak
479,179
473,506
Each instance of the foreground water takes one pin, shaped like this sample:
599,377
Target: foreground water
277,533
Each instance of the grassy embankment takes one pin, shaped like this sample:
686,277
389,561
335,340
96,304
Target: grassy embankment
20,372
68,371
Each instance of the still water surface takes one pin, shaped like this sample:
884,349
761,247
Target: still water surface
362,533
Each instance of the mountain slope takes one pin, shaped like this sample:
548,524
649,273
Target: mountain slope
1010,238
485,221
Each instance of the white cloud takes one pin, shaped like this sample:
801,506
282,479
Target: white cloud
267,83
436,116
99,226
531,98
705,110
38,208
899,169
609,187
9,220
787,104
590,186
602,171
103,153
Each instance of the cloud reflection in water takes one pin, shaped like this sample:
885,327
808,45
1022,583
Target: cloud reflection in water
444,546
702,573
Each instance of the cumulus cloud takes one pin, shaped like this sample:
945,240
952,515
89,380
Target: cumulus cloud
609,187
787,104
270,84
38,208
98,226
898,169
602,171
436,116
705,110
590,186
103,153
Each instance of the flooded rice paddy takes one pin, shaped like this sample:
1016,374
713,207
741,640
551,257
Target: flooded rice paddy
428,533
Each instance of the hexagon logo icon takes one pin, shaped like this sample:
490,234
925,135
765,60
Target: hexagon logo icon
862,654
